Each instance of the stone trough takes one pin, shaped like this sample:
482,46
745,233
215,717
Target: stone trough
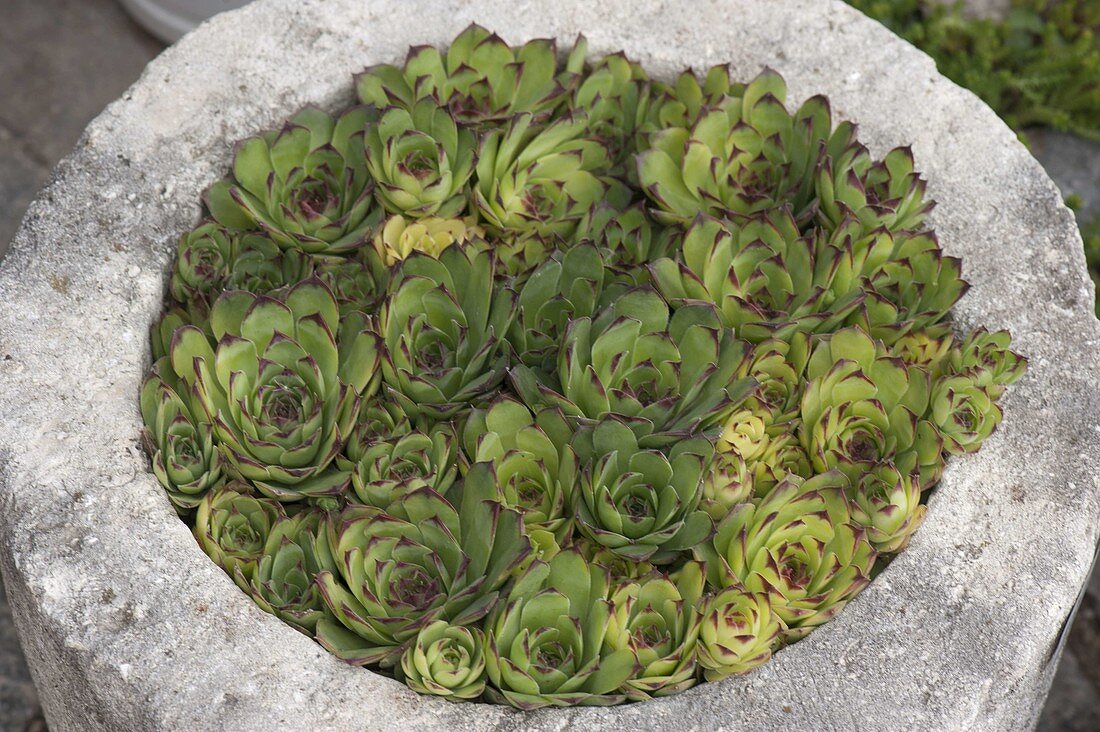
128,626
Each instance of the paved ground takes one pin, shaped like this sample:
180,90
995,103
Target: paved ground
61,61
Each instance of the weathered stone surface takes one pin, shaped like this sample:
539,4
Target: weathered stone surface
128,626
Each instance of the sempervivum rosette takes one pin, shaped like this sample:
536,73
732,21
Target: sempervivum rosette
306,185
232,525
657,619
536,469
666,375
283,581
546,642
567,286
862,406
179,438
424,558
742,155
282,388
534,184
480,79
539,381
640,504
799,546
443,327
420,160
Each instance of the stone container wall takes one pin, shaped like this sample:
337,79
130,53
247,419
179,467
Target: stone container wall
128,626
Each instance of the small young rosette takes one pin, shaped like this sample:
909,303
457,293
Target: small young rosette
179,439
739,631
861,407
388,470
306,186
851,185
283,386
400,237
887,503
545,645
743,155
283,582
534,184
760,274
567,286
232,526
446,660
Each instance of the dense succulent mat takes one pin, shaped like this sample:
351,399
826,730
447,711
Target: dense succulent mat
534,380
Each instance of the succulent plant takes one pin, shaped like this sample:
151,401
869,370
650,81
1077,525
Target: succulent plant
421,161
640,504
619,100
965,414
282,583
379,421
727,482
179,440
423,559
567,286
680,103
283,387
667,376
738,633
658,620
446,660
165,327
766,452
203,256
534,184
232,526
357,282
861,407
621,570
387,471
886,194
306,185
927,348
760,274
536,470
887,503
797,545
480,79
545,644
443,328
400,237
627,238
211,259
985,357
743,155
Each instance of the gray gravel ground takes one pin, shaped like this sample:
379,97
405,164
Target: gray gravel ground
61,61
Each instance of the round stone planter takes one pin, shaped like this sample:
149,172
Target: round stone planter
128,626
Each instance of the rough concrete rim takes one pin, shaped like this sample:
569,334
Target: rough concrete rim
128,626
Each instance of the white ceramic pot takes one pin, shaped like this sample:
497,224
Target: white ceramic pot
168,20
